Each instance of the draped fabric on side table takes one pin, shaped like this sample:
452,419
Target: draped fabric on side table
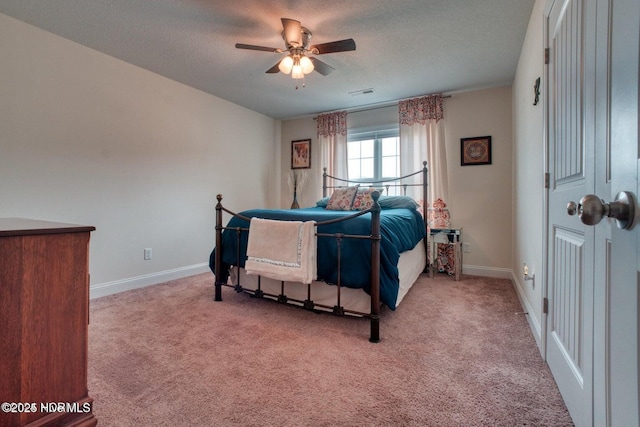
422,138
332,135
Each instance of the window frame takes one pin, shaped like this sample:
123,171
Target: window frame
377,135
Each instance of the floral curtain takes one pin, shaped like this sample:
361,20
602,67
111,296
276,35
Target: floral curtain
421,110
332,136
422,138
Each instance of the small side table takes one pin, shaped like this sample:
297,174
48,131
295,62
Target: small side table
449,236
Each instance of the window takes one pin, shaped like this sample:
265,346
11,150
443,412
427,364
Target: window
373,156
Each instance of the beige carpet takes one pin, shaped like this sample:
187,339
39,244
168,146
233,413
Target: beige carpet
453,354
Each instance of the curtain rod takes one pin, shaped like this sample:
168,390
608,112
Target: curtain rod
371,107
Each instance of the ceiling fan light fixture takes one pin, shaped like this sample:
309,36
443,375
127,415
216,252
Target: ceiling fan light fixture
286,64
306,64
296,71
297,39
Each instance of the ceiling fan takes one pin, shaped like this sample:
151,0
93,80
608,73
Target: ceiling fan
296,39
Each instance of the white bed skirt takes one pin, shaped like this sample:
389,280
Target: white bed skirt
410,265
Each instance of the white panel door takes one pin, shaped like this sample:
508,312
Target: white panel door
593,330
570,280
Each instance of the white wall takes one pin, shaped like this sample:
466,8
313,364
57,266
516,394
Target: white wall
481,196
528,172
88,139
292,130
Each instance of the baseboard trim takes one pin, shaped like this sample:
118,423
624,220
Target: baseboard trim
534,325
117,286
476,270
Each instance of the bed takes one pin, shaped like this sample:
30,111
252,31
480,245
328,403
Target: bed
368,250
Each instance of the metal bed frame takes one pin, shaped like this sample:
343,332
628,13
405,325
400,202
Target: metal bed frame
374,237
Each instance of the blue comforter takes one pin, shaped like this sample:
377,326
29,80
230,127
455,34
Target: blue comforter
400,229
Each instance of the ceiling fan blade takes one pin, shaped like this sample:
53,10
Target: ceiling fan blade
261,48
274,69
321,67
332,47
292,32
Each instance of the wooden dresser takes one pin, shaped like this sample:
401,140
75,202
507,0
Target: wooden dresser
44,316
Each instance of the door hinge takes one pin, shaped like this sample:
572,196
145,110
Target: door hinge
547,178
545,305
546,55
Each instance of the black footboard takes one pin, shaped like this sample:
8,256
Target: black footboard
374,237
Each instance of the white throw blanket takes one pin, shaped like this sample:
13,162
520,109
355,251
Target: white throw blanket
282,250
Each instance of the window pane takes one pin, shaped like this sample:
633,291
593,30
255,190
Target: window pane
354,168
353,150
367,169
366,148
372,157
390,166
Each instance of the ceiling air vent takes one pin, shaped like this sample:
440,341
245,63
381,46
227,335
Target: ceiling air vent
368,91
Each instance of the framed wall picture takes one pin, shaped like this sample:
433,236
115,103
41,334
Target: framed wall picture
475,151
301,154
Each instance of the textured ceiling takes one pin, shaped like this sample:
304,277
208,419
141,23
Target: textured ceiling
404,48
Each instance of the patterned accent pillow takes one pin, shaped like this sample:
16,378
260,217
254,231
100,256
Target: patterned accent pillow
342,199
363,200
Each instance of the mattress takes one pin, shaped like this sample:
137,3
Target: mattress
325,296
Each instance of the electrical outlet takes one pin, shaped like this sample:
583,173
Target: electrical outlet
147,254
466,247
